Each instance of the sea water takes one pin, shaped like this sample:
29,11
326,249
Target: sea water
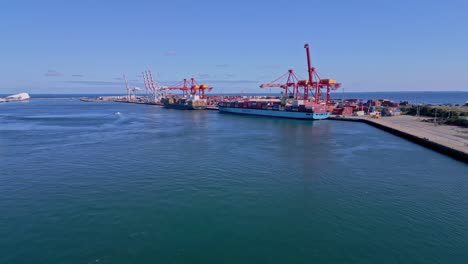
124,183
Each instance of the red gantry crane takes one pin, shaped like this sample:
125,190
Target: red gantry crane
318,84
330,85
181,86
286,81
193,89
200,88
313,84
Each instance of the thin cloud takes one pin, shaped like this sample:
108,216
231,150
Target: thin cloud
118,78
271,66
170,53
77,75
203,75
168,83
263,77
53,73
97,83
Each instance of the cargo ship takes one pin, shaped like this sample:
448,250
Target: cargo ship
283,108
185,103
193,96
294,103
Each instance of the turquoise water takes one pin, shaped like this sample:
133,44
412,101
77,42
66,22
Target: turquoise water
122,183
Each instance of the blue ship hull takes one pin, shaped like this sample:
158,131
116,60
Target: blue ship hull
274,113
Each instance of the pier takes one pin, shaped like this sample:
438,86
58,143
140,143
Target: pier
449,140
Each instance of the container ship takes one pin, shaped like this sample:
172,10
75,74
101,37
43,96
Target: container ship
295,102
276,107
184,103
193,96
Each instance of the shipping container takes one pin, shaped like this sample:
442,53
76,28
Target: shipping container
359,113
297,103
337,111
347,110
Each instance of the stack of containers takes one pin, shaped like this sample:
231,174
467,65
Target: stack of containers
347,110
309,106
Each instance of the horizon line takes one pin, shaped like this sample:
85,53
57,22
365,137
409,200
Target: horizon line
333,92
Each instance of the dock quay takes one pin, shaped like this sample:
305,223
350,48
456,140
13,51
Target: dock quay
449,140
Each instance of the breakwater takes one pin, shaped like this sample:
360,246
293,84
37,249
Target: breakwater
449,140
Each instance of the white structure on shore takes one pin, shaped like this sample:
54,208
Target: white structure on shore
16,97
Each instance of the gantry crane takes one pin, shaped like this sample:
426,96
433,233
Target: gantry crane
318,83
181,86
200,88
313,84
194,88
285,83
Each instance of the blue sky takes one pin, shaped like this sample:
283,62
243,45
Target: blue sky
86,46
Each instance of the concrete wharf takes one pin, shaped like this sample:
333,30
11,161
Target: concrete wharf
449,140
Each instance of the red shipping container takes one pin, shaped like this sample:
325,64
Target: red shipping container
347,110
337,111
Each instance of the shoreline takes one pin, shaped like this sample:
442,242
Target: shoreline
448,140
